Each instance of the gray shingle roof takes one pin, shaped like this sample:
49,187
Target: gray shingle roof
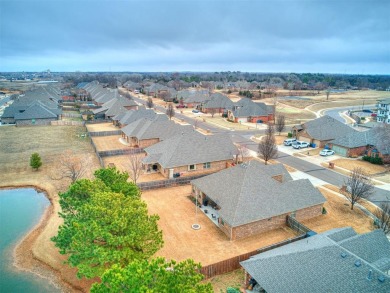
193,96
315,264
161,129
133,115
246,108
248,193
327,128
218,100
192,148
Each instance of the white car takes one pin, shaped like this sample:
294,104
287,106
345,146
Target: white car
289,141
326,152
300,144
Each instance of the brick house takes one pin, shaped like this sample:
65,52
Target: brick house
115,107
190,154
245,110
130,116
218,103
359,143
338,260
253,198
193,98
321,131
146,132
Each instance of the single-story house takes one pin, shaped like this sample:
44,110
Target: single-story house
190,154
146,132
115,107
253,198
245,110
192,98
359,143
217,103
130,116
339,260
321,131
37,114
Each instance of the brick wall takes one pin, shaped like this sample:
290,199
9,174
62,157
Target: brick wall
37,122
356,152
272,223
147,142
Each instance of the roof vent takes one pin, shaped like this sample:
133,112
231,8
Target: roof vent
358,263
369,276
381,278
343,255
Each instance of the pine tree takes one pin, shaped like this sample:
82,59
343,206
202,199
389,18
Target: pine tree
35,161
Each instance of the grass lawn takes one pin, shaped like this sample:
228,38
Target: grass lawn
339,214
350,164
234,279
207,245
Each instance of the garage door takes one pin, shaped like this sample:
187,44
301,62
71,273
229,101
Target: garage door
305,139
340,150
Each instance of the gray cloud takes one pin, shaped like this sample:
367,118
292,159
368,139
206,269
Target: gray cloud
301,35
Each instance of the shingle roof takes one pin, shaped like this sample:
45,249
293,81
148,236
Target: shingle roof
246,108
193,96
192,148
162,129
319,264
35,111
248,193
327,128
218,100
133,115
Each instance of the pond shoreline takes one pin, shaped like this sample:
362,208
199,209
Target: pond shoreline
23,255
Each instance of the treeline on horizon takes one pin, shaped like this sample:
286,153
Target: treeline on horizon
310,81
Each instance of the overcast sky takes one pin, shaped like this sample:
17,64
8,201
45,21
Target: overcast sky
335,36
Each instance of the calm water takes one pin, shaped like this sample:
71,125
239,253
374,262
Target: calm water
20,210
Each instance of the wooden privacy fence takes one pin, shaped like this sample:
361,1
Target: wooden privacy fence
97,153
98,121
233,263
105,133
120,152
71,115
69,123
168,182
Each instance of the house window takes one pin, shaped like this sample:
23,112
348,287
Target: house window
191,167
206,165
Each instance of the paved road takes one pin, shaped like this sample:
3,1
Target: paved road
5,100
335,112
243,138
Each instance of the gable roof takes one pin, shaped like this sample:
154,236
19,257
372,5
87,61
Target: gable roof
246,107
193,96
321,263
36,111
219,100
190,148
162,129
248,192
133,115
326,128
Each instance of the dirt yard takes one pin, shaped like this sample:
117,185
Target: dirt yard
339,214
101,127
16,145
207,245
108,143
350,164
234,279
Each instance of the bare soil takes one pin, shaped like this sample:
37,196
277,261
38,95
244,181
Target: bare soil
98,127
207,245
108,143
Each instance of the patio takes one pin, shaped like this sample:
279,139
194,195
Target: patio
210,213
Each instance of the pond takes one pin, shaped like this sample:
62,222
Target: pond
20,211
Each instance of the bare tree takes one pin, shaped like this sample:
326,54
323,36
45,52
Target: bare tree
327,94
135,166
170,111
165,95
69,166
280,123
149,103
243,152
383,215
212,111
358,186
267,146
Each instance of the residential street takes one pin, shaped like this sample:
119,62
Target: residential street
243,138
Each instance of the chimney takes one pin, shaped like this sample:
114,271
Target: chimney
278,178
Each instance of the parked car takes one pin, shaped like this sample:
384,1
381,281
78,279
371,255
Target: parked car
326,152
300,144
195,111
289,141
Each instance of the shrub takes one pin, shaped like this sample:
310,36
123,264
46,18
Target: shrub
324,211
289,135
232,290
